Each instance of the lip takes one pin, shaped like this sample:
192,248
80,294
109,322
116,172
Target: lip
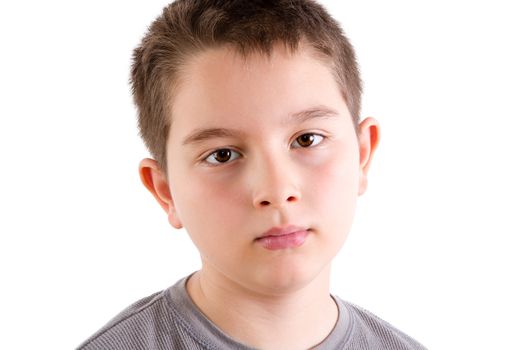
290,236
281,231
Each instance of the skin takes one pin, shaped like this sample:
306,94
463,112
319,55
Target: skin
269,299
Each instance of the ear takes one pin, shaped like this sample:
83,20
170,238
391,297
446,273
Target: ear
368,140
155,181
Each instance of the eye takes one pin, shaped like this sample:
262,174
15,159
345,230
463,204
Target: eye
220,156
308,139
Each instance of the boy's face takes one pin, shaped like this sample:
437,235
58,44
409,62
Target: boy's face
266,174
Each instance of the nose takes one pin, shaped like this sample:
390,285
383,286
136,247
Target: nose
275,183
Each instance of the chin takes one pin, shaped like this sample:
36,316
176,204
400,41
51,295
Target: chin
285,279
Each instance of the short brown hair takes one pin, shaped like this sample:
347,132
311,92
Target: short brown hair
187,27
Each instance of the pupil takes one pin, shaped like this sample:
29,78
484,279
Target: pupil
223,155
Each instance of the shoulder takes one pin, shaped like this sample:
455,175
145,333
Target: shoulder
149,323
131,320
370,331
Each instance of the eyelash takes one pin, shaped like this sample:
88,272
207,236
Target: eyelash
222,149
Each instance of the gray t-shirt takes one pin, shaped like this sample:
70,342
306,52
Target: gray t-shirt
170,320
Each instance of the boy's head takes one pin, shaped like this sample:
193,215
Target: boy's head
188,27
257,122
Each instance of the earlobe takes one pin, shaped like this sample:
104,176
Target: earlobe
173,218
156,183
368,142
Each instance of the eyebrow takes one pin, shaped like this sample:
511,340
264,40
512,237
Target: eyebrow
203,134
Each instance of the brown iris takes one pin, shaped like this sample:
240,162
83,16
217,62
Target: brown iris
305,140
223,155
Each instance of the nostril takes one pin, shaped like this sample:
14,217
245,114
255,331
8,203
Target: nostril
266,203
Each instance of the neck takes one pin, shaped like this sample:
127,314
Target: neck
296,320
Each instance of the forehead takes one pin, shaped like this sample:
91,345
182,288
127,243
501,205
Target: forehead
220,87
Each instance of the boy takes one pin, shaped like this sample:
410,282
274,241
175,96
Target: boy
251,111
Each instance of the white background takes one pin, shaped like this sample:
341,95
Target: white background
436,248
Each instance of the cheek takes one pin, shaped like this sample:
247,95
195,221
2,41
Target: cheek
220,192
210,203
334,184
